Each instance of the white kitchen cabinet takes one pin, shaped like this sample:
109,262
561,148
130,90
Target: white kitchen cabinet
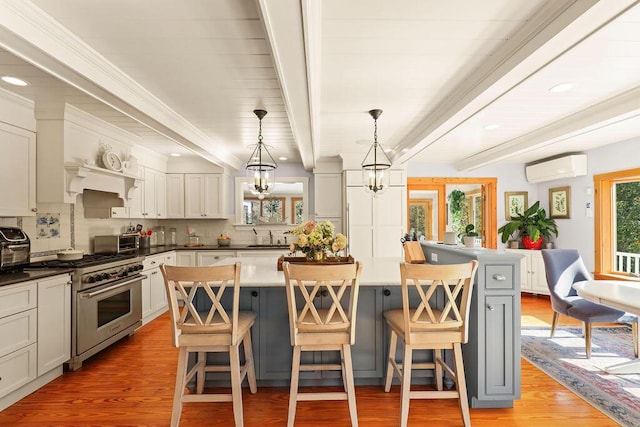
261,253
154,295
54,322
161,195
149,201
18,317
17,171
204,258
175,195
375,224
532,272
205,196
186,258
149,209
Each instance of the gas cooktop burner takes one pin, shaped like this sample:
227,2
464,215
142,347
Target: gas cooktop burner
86,261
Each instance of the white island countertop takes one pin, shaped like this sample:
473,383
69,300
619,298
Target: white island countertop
263,272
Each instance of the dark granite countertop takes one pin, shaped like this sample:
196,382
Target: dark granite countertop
12,278
160,249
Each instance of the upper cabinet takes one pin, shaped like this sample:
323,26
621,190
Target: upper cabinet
175,195
205,195
149,202
17,171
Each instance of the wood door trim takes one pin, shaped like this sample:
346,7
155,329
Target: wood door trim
439,184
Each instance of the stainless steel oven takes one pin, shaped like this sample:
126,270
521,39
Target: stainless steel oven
106,311
106,301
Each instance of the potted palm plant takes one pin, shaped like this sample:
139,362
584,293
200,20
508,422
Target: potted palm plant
532,225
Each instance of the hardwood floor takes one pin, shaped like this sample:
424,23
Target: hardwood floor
131,383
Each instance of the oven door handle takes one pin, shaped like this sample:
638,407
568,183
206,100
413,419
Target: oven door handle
111,288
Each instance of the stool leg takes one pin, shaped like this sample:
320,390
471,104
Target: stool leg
347,368
201,361
248,360
406,385
179,391
293,391
236,387
461,384
437,355
392,357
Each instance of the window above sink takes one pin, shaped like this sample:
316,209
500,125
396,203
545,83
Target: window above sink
286,205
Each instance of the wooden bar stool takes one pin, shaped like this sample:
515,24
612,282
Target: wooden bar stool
428,328
220,329
316,327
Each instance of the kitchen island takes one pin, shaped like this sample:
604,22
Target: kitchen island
492,356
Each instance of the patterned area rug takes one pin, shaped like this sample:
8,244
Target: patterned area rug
563,358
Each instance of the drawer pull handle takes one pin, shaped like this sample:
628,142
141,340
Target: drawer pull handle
499,277
491,308
254,293
386,292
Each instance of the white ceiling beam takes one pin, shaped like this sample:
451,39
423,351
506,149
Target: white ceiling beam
285,29
613,110
557,27
32,35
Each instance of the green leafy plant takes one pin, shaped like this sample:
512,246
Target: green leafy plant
533,222
469,231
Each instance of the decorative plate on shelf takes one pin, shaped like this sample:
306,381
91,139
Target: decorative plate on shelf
112,161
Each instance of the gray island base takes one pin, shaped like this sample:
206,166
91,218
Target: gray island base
492,356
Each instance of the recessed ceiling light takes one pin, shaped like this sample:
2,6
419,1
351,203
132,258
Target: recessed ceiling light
282,158
492,126
388,150
405,150
562,87
14,81
175,154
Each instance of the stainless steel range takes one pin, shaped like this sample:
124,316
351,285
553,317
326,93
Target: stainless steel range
106,301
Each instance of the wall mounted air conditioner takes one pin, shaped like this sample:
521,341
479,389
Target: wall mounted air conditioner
560,167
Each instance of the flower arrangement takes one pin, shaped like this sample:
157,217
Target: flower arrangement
315,240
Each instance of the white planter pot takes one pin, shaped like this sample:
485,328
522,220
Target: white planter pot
472,242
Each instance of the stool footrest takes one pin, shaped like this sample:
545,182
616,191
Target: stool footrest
322,396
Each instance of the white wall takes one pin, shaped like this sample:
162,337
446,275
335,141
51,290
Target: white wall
578,232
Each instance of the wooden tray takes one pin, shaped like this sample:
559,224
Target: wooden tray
303,260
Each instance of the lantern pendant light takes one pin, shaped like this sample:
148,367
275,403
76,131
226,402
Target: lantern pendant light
261,166
375,177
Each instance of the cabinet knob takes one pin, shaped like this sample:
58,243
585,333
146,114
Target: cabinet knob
34,209
254,293
324,293
386,292
499,277
491,308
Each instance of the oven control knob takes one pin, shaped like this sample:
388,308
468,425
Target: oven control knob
132,268
124,273
97,277
104,276
139,267
91,279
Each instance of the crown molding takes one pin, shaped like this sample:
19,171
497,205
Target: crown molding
34,36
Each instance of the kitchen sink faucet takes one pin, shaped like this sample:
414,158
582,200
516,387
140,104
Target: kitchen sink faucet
270,238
